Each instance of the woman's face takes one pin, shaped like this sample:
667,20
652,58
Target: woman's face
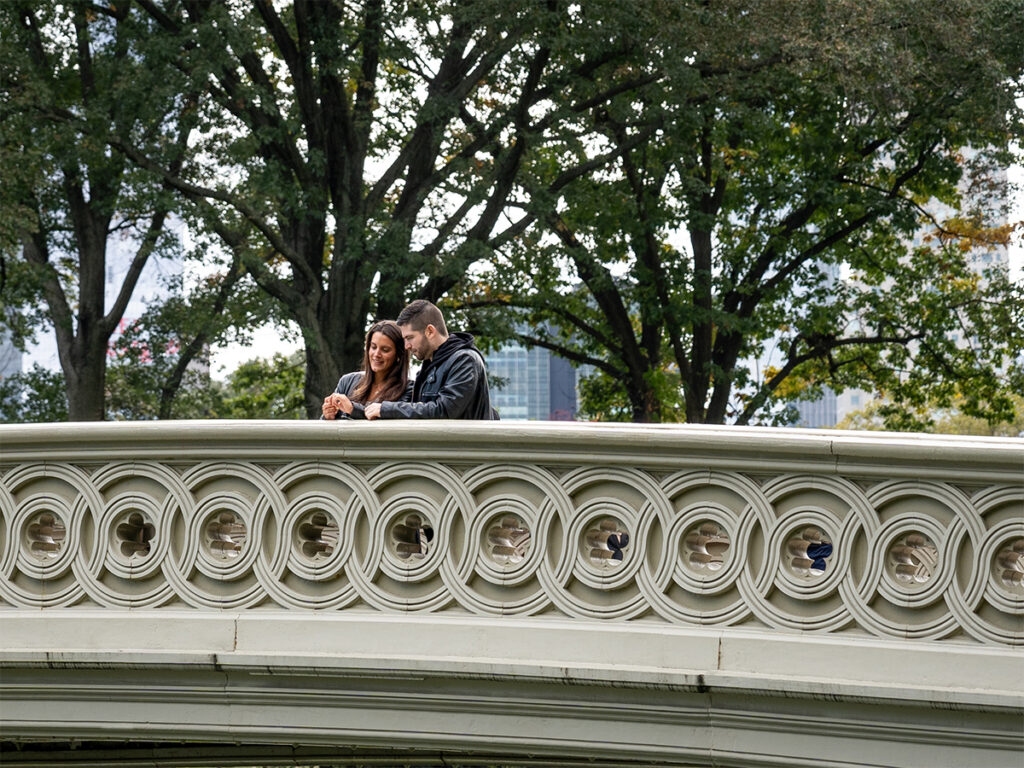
382,353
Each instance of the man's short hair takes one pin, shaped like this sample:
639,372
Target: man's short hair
421,313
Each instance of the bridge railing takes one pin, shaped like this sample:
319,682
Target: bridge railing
832,533
445,593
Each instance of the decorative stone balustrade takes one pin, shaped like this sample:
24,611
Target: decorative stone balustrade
911,537
460,594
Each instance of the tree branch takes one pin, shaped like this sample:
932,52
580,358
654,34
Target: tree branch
819,349
570,354
172,384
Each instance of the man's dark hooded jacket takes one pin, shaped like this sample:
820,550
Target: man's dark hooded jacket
451,385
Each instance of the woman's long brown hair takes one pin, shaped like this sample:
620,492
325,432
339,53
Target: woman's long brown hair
397,377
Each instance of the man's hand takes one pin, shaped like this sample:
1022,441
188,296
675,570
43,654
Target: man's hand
372,411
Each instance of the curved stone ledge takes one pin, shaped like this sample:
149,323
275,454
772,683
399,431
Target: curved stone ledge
674,446
542,691
969,678
490,721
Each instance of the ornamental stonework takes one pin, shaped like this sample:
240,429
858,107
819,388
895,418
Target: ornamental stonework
794,551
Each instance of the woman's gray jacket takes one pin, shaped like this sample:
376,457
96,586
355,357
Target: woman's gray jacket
347,385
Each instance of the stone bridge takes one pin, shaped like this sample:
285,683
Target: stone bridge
444,593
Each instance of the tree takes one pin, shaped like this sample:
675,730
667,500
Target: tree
944,421
71,75
265,389
791,144
160,364
376,148
36,395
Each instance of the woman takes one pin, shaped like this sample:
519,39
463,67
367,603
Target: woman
385,375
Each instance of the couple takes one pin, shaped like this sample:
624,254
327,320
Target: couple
452,384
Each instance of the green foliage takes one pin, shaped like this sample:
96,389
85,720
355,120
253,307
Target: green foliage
780,148
134,388
160,365
948,420
133,393
36,395
73,74
369,152
258,389
265,389
663,191
605,398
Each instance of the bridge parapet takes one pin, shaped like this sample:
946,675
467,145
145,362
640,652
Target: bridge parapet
895,536
789,562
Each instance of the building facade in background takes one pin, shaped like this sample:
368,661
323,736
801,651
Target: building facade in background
10,357
531,384
818,413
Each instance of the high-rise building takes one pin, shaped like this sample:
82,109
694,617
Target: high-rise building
10,357
531,384
818,413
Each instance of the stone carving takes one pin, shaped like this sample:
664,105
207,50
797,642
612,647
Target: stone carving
706,546
509,540
45,536
794,551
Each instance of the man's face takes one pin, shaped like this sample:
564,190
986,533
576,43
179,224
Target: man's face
419,342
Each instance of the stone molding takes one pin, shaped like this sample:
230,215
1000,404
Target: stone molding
503,691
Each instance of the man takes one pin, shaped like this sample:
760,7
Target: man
452,384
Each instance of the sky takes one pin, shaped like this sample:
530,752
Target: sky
266,342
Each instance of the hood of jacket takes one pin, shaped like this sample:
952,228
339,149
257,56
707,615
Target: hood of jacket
455,342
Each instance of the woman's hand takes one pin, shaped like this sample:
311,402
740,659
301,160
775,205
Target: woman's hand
342,403
330,407
335,403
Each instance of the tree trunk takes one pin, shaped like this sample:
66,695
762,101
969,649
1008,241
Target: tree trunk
646,405
86,395
85,374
